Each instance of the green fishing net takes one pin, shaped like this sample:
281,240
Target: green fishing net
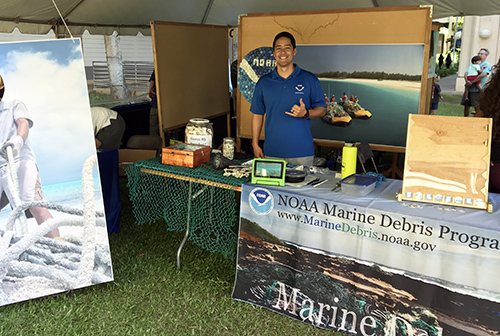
213,213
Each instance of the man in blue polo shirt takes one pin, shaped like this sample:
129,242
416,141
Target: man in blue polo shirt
288,97
473,90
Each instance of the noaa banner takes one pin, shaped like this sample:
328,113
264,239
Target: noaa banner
364,270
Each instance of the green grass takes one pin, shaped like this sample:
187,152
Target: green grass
150,296
450,106
96,97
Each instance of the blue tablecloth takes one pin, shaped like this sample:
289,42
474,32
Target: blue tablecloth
110,185
324,257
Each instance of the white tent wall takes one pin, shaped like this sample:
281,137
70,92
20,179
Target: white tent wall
16,36
134,48
137,48
128,17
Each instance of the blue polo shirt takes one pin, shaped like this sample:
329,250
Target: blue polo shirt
287,136
473,88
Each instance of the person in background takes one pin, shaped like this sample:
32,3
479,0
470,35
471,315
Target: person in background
441,60
15,123
436,94
448,60
234,84
473,90
154,124
472,72
109,127
288,97
489,103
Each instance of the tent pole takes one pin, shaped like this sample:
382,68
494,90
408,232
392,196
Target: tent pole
205,16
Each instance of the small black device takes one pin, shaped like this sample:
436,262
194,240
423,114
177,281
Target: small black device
295,176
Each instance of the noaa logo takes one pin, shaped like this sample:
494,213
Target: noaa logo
261,201
299,89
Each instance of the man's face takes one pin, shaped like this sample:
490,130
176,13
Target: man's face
283,52
482,54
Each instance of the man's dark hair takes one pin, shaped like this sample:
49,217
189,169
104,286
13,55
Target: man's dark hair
475,59
284,34
2,90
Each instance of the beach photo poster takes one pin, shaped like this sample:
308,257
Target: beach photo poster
53,235
370,89
382,85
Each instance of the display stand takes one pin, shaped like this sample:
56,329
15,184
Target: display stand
189,84
365,27
447,160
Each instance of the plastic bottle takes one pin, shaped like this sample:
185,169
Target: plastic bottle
349,158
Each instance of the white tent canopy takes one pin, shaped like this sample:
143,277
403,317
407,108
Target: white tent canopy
128,17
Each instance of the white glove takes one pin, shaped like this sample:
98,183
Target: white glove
16,143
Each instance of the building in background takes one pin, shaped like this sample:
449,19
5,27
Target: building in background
137,55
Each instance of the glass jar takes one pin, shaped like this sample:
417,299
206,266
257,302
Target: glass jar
199,132
228,148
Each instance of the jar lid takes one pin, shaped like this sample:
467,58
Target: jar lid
199,121
228,139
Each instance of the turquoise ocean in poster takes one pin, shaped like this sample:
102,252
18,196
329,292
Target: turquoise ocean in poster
390,108
389,101
65,193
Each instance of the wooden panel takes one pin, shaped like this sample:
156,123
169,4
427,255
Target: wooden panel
192,76
447,160
366,26
191,179
128,156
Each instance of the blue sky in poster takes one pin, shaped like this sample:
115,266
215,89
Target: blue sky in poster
49,77
401,58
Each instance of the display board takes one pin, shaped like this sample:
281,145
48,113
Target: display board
379,55
52,226
191,67
448,160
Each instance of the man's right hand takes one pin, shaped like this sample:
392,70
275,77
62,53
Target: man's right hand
257,152
15,143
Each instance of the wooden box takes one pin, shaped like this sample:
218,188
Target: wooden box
185,155
447,160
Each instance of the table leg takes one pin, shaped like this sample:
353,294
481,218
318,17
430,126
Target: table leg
187,229
190,198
